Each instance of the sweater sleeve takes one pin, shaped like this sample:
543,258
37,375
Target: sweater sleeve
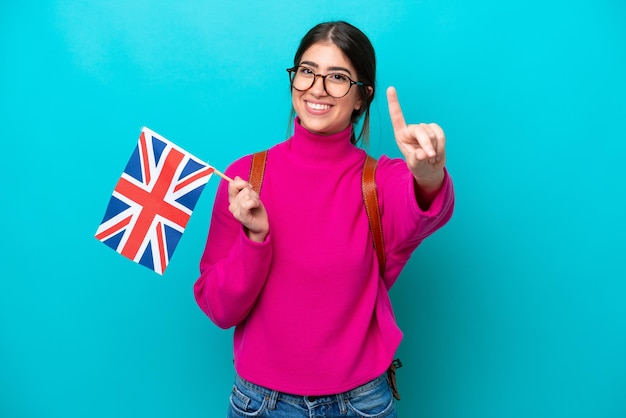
233,269
405,224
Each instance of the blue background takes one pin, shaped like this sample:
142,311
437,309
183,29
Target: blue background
514,309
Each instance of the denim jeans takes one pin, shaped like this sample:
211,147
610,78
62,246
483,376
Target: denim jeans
373,400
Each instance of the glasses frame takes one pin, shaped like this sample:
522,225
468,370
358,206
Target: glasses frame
292,76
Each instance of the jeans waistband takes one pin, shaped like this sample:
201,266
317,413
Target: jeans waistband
291,398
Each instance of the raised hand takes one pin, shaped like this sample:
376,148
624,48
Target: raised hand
247,208
423,145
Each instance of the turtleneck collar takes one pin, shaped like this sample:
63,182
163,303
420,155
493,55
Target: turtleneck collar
316,149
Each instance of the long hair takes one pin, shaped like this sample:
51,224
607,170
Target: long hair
359,50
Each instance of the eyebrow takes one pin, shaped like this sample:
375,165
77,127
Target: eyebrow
314,65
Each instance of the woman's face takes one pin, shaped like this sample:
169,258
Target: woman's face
318,112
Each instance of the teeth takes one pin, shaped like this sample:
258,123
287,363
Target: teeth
317,106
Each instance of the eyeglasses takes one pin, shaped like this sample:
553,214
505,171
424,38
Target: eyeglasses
335,85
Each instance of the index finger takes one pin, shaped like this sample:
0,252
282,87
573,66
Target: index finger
395,111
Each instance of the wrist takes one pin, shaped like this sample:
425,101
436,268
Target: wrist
430,184
427,188
256,236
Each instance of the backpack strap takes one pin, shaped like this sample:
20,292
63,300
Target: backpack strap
370,198
257,170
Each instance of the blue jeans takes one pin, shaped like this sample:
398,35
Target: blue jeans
373,400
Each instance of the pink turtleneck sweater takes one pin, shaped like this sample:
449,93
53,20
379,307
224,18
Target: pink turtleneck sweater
312,315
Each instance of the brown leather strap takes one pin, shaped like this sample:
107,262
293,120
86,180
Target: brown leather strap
391,378
257,170
370,198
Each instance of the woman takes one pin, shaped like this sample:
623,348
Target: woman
294,269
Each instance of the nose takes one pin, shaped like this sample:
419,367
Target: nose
318,88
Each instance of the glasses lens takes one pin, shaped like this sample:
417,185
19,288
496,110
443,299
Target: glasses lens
302,78
337,84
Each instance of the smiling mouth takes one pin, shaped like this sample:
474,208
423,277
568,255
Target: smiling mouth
317,106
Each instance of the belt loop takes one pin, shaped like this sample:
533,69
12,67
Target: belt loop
341,400
273,398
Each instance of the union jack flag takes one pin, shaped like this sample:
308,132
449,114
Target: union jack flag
152,201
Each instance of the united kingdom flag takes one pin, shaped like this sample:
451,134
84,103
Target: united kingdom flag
152,201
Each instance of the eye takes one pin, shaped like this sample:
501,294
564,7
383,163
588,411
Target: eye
338,78
305,71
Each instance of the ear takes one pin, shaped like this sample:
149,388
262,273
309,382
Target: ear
359,102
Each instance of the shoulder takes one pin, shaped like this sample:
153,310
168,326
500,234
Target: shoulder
389,168
240,167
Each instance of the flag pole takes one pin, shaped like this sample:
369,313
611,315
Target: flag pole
222,175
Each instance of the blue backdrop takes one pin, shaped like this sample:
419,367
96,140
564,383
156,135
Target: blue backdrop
515,309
